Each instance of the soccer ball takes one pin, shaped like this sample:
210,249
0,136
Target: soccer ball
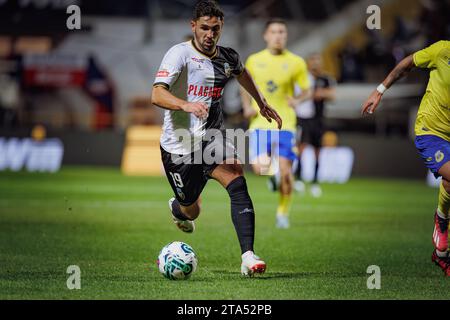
177,261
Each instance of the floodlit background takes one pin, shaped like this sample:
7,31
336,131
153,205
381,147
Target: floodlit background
88,87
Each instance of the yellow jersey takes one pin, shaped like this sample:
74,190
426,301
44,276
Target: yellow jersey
433,116
276,77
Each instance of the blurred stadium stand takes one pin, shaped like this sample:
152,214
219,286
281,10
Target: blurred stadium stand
104,71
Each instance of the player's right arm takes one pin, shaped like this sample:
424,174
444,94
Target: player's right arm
327,93
398,72
170,69
162,98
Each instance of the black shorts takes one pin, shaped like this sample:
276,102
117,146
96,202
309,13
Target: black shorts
310,131
188,174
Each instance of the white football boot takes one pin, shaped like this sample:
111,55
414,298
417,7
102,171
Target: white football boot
316,191
187,226
252,264
282,221
299,186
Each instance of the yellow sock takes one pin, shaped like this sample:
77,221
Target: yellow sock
284,204
444,201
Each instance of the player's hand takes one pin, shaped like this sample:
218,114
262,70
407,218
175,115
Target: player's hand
371,103
199,109
319,94
249,113
292,102
269,113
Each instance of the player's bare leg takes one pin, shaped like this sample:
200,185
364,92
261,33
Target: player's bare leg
286,184
231,177
441,222
262,165
183,216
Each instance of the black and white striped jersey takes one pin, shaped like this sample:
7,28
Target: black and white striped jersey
192,76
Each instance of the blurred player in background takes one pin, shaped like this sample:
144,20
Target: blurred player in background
276,72
189,85
310,113
432,131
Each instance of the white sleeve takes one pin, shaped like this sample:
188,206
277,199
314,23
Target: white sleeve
171,67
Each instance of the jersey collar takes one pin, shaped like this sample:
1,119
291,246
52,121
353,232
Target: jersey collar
276,55
203,54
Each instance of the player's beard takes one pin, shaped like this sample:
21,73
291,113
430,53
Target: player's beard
207,48
208,45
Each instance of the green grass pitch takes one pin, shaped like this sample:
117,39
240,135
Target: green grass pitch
113,228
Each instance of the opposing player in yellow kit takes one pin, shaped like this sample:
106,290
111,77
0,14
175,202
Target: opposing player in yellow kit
432,131
276,71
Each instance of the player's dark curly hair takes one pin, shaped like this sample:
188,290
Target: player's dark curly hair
274,20
207,8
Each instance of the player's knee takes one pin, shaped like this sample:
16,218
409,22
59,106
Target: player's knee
236,169
261,165
231,176
285,174
233,171
285,181
286,186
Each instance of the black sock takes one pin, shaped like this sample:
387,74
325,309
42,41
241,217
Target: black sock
242,213
176,211
298,170
316,170
443,223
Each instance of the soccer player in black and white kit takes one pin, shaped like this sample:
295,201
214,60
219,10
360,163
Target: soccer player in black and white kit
189,85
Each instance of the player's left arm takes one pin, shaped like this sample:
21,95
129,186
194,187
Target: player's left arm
400,70
327,94
246,81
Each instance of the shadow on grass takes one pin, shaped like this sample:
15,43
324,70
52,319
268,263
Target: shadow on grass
295,275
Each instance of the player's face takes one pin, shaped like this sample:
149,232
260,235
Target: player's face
315,64
276,36
207,32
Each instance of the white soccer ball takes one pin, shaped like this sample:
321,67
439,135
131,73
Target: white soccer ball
177,261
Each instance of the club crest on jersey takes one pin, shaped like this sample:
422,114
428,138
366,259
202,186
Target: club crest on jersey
227,69
439,156
180,194
271,86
